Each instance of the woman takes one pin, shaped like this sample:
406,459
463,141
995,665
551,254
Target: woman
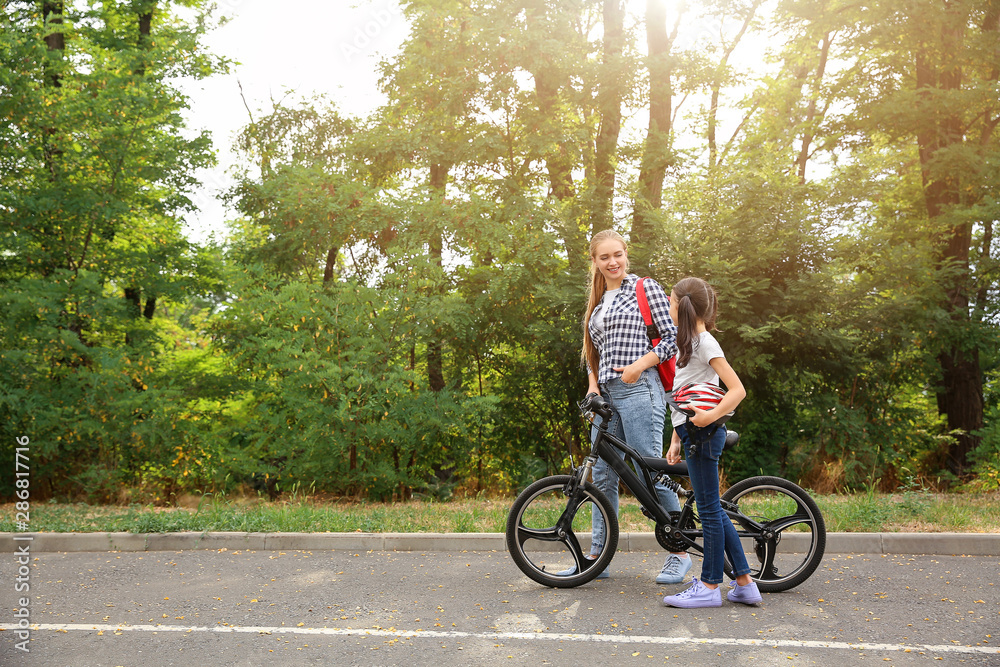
621,366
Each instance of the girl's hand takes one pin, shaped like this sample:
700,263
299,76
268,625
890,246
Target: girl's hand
630,374
701,417
674,453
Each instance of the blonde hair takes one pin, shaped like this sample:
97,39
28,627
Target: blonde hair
596,286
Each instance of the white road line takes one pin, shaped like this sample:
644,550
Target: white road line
500,636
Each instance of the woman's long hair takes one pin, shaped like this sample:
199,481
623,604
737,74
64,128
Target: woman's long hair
695,301
596,286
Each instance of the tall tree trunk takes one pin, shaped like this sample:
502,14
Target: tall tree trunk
55,41
144,16
559,160
656,152
609,105
144,19
435,347
960,395
331,262
812,114
990,26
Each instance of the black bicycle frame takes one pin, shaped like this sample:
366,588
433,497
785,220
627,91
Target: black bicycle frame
644,490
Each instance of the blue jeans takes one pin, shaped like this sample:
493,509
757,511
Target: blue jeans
721,539
640,409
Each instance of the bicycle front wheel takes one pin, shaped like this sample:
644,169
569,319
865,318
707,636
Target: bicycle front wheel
548,533
782,531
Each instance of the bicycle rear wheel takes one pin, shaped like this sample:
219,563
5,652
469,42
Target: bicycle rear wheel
548,534
782,530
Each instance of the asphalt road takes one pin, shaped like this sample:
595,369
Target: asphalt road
226,607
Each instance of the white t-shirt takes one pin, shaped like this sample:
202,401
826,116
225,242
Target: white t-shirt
598,317
704,349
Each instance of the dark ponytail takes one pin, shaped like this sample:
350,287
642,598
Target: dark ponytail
695,301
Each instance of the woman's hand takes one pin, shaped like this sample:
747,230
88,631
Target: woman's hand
674,453
630,373
592,386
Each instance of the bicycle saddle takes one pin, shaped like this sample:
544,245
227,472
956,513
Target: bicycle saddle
660,465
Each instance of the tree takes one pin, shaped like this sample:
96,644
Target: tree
660,63
610,92
925,79
96,170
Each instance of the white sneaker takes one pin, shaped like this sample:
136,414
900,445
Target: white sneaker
568,572
674,570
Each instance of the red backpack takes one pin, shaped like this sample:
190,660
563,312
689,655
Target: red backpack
665,368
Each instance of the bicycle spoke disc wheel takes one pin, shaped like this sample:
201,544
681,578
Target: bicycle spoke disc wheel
549,534
781,528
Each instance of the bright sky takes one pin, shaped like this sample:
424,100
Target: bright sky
294,48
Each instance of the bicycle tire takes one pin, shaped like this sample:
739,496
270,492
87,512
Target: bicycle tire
533,537
768,502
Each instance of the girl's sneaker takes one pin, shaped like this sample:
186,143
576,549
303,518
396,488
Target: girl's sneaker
696,596
744,594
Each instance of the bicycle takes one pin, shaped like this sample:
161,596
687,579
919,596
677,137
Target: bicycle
549,524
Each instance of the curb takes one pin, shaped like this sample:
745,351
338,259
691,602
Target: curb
939,544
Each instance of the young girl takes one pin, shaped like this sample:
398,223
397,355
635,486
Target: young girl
700,359
621,364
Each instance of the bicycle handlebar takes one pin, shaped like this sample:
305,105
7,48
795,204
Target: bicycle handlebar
597,404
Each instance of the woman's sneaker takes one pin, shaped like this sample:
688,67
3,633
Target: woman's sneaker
674,570
569,572
744,594
696,596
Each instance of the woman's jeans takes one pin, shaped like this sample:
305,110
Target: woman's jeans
640,409
721,539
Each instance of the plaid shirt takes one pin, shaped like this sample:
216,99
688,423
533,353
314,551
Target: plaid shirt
624,340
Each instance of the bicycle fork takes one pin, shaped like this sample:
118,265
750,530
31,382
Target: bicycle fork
579,476
564,526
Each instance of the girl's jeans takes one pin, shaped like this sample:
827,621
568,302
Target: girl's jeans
640,409
721,539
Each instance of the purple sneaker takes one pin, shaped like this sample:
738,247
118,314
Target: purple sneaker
696,596
744,594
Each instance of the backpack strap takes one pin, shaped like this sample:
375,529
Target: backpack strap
652,331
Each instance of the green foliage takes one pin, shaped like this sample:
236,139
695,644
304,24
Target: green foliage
97,167
397,309
334,403
986,458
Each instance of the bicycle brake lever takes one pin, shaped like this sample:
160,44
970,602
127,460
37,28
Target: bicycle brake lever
597,405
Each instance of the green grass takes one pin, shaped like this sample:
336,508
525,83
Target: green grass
865,512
